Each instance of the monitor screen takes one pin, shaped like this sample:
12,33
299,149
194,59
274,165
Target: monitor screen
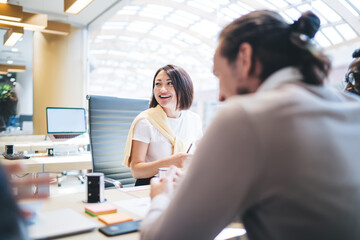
65,120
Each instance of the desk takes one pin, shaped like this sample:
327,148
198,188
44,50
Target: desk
75,202
54,164
25,142
32,143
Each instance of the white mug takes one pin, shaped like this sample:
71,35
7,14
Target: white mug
162,171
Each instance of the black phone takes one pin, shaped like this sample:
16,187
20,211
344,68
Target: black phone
121,228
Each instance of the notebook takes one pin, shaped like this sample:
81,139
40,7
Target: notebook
114,218
60,222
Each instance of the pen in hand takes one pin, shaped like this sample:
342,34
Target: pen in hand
189,148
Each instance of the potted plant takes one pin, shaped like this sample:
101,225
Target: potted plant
8,103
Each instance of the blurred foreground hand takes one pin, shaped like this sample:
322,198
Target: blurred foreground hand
32,184
167,184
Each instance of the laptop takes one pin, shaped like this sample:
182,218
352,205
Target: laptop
65,123
59,223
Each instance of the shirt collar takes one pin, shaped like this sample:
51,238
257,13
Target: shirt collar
280,77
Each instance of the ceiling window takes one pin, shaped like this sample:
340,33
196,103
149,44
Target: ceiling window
144,35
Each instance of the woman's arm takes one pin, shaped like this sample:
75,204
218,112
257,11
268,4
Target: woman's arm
142,169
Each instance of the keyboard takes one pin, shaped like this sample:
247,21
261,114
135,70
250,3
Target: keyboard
15,156
64,136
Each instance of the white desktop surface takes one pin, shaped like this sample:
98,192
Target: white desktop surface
116,197
75,202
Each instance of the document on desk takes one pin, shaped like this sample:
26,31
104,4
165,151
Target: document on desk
59,223
138,206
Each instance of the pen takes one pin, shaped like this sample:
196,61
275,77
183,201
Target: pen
189,148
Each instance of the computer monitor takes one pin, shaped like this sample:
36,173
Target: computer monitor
65,123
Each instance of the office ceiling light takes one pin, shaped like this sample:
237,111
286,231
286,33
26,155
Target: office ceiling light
10,12
29,21
13,35
75,6
58,28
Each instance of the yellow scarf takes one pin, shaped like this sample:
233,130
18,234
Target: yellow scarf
158,118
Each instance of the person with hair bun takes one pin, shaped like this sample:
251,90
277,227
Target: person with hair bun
282,152
352,77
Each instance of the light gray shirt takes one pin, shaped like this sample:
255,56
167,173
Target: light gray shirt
284,159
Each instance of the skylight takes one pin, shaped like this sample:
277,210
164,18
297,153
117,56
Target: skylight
164,32
206,28
155,11
355,4
293,13
129,10
353,8
326,11
200,6
332,35
346,31
146,34
182,18
140,26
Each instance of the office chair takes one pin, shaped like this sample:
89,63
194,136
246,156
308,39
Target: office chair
24,118
110,119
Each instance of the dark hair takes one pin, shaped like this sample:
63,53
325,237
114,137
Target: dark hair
352,77
182,84
356,53
277,44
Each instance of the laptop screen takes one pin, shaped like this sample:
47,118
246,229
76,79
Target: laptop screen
65,120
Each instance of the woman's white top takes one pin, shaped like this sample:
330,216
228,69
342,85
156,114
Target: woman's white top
187,127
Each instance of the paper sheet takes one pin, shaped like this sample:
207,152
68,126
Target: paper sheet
227,233
138,206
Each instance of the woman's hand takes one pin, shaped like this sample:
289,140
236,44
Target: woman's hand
178,159
167,184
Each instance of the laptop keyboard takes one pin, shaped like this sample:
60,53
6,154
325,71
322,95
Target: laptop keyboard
62,136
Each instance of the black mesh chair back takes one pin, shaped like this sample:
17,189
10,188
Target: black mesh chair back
110,119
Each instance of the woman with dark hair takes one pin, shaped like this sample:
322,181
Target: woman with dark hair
160,135
352,77
281,155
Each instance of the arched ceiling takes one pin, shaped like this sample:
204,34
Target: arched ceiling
139,36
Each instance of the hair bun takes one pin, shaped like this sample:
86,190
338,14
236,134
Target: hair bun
307,24
356,53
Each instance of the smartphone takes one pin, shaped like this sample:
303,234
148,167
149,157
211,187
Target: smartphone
121,228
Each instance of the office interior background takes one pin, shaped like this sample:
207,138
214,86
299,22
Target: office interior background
114,47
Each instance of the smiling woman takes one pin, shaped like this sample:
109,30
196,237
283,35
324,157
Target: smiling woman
160,135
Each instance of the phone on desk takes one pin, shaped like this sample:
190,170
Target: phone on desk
121,228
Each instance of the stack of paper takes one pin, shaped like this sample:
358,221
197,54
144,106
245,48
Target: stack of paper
100,208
